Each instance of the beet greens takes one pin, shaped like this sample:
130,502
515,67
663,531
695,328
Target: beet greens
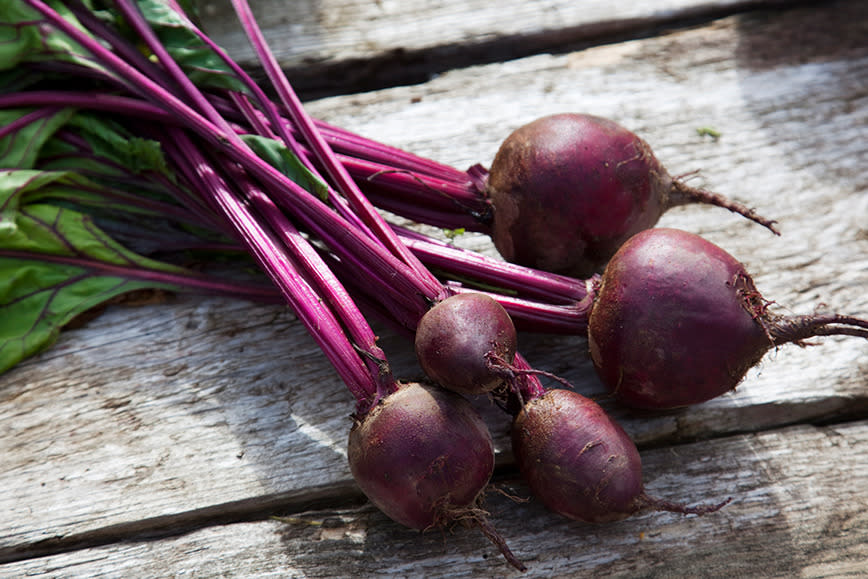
223,178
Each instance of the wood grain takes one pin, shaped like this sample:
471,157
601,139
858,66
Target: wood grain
347,46
211,414
796,512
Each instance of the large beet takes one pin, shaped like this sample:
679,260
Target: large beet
569,189
677,321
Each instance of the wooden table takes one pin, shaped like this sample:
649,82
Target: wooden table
165,440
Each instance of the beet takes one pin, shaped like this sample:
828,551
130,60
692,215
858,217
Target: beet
580,462
422,455
458,339
567,190
678,321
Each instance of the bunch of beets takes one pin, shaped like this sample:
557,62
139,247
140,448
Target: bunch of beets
570,202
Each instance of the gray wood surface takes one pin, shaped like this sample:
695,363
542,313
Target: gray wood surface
158,440
328,45
798,511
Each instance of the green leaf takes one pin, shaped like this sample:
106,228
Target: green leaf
38,298
204,66
278,156
18,186
24,38
55,263
22,147
112,141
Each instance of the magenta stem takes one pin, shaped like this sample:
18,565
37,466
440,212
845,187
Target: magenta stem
551,287
419,286
363,148
272,257
322,151
270,111
132,107
168,280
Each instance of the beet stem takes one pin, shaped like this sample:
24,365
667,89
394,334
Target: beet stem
323,152
683,194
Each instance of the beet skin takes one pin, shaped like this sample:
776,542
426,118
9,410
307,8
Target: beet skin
581,463
569,189
577,460
422,456
456,339
676,321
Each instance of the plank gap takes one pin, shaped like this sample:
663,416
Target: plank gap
340,495
327,498
403,67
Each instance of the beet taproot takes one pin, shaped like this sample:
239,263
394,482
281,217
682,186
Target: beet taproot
581,463
421,455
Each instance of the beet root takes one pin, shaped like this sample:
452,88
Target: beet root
424,456
581,463
458,340
567,190
678,321
420,454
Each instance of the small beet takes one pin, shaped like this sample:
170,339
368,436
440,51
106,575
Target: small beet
678,321
458,339
421,455
424,456
580,462
569,189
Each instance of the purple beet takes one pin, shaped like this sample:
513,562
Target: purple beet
580,462
569,189
458,340
678,321
424,456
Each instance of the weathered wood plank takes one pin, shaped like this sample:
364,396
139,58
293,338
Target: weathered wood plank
165,409
799,510
344,44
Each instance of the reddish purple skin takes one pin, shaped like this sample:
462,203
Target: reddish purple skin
420,454
453,338
569,189
673,321
576,459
